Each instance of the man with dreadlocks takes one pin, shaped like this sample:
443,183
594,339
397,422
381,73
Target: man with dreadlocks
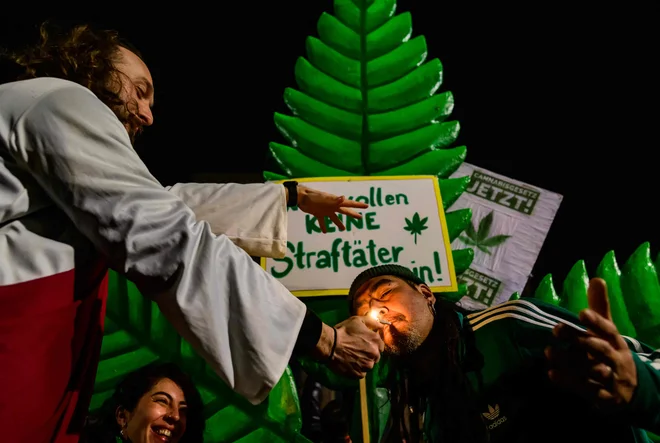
75,199
523,371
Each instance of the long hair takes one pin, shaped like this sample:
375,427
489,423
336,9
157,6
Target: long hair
81,55
453,411
102,427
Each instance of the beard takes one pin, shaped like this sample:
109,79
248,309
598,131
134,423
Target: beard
403,342
129,119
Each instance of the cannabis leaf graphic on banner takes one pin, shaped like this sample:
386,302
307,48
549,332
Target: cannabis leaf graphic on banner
416,226
480,238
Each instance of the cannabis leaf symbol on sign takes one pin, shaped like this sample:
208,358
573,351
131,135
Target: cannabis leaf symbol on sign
480,237
416,226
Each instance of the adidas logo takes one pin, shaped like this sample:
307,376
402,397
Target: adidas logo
492,415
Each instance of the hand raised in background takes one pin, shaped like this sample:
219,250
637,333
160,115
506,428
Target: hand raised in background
599,365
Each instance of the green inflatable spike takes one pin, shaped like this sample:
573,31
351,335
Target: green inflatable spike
454,297
271,176
451,189
609,271
440,162
574,292
634,293
514,296
403,120
546,291
462,259
457,221
657,265
641,292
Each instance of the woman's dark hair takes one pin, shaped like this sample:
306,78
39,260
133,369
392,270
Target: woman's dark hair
455,415
103,427
79,54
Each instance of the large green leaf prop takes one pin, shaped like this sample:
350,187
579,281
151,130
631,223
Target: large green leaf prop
366,104
634,294
136,334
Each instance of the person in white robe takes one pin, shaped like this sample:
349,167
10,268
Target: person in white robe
75,200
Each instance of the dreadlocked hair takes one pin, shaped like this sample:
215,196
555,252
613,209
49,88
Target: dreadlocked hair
454,415
81,55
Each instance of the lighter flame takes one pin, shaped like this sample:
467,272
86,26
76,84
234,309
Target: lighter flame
374,314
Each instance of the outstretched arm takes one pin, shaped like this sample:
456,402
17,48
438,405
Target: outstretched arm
253,216
239,318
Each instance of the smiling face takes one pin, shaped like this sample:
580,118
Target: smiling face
160,415
137,91
404,304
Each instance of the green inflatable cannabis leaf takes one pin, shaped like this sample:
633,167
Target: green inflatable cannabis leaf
366,103
480,238
416,225
136,334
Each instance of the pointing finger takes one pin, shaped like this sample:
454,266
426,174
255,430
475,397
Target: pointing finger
597,297
349,212
354,204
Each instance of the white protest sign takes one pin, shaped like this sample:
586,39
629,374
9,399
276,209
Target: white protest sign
510,221
404,224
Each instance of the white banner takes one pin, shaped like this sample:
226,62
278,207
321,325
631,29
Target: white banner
404,224
510,221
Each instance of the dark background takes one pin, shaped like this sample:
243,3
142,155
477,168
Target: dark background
557,95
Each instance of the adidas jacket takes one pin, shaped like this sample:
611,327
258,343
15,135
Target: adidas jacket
518,401
75,199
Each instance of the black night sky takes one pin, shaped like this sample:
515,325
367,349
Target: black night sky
560,96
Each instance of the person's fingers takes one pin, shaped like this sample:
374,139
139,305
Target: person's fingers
602,374
581,385
606,398
574,358
601,350
349,212
354,204
568,333
381,347
597,298
322,225
602,327
337,222
368,365
372,323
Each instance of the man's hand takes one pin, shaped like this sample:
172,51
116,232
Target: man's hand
598,365
321,204
358,346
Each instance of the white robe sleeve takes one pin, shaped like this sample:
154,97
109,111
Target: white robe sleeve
237,316
253,216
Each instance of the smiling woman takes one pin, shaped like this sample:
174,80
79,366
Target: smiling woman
156,403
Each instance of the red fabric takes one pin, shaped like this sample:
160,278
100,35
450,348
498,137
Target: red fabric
50,342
